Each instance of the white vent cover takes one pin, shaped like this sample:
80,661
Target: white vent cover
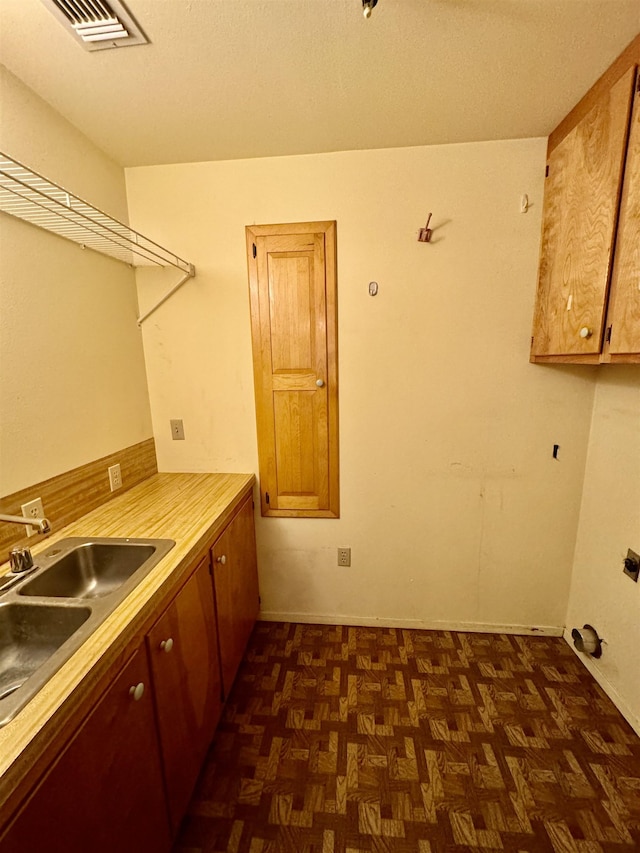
97,24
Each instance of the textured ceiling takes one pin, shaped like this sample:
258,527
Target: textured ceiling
225,79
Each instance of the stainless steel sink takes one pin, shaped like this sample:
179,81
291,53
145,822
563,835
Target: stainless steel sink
29,636
48,615
90,570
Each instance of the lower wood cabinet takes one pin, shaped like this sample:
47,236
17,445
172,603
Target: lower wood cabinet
123,782
105,793
235,576
183,650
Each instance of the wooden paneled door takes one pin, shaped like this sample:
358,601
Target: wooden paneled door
292,285
579,225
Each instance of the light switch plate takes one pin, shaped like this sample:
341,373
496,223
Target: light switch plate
177,429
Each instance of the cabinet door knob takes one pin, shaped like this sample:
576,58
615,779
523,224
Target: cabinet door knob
221,559
586,332
136,691
167,645
320,383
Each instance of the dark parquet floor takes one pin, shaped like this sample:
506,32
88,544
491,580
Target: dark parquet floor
352,740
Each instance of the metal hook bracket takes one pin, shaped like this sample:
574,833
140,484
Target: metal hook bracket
424,236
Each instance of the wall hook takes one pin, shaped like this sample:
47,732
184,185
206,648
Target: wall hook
425,233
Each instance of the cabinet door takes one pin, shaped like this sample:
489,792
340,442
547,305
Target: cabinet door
624,314
292,278
183,650
105,792
579,221
235,577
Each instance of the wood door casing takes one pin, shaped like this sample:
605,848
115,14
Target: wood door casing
187,686
105,792
624,303
292,280
235,581
579,221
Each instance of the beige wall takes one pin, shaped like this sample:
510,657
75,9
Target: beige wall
456,512
72,377
601,595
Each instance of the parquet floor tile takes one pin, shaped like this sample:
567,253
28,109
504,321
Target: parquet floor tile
381,740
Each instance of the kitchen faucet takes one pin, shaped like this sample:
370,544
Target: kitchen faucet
20,559
41,524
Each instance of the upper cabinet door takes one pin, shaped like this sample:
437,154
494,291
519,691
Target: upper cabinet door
624,313
579,223
292,280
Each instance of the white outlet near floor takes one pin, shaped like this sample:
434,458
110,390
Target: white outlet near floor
344,556
115,477
32,509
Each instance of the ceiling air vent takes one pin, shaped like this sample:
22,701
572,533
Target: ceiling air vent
97,24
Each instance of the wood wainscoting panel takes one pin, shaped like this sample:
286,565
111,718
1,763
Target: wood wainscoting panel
74,493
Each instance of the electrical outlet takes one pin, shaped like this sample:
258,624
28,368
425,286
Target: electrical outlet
177,429
32,509
115,477
344,556
632,565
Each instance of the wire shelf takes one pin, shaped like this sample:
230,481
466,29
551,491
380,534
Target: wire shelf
29,196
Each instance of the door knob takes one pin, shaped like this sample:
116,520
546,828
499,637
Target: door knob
586,332
221,559
319,382
167,645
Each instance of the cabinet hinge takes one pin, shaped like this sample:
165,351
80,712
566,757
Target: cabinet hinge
546,174
255,251
609,334
266,496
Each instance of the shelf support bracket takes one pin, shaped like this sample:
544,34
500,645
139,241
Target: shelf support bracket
169,293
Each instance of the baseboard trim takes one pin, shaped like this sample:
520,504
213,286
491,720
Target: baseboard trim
621,704
418,624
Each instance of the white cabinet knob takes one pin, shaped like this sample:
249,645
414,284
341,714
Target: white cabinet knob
167,645
136,691
222,559
320,383
586,332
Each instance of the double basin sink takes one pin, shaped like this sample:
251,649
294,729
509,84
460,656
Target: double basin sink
47,614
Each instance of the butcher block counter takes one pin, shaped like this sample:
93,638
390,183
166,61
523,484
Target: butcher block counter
196,511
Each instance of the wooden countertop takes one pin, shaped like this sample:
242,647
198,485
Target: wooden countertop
191,509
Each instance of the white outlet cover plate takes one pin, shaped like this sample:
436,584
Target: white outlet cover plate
32,509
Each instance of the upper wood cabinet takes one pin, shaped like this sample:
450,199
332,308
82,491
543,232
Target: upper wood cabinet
624,299
588,301
183,651
292,285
